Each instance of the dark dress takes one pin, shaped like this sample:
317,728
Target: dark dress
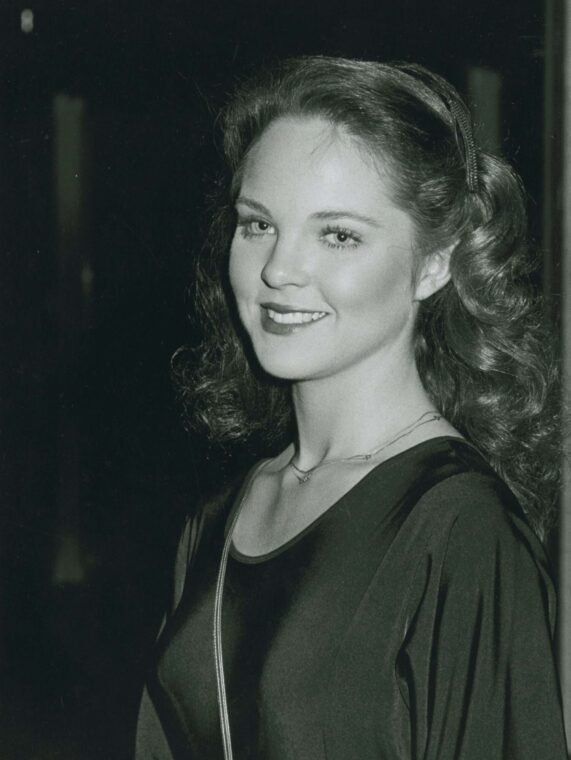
413,619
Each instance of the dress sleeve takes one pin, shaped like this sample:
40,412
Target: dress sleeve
150,741
477,667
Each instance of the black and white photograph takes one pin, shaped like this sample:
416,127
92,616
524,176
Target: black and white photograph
285,373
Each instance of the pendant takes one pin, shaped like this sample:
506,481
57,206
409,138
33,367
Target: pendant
302,475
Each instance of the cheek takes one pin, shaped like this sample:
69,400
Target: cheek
238,271
376,289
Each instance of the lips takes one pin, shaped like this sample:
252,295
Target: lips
284,320
294,317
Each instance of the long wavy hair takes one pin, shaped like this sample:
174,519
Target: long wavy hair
482,348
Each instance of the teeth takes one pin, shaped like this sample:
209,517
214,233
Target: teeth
294,317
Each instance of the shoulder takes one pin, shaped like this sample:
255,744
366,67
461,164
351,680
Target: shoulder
218,502
209,514
451,491
477,510
213,510
476,504
476,538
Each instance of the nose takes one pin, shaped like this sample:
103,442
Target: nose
285,265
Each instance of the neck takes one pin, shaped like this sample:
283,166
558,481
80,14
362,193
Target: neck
355,411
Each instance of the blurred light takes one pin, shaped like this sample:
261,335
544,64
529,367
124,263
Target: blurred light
87,277
27,21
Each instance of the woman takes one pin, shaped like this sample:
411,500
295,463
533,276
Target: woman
377,589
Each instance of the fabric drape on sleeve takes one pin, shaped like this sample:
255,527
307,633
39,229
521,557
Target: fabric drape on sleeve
477,663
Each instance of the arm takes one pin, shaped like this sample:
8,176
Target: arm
153,729
478,658
150,742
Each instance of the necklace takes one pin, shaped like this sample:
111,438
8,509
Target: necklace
304,475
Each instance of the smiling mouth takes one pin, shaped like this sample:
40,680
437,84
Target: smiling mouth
279,320
294,317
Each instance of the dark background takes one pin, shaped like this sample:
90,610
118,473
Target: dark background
96,471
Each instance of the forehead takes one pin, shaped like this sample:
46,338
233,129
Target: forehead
310,162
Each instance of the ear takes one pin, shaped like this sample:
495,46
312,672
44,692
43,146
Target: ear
433,274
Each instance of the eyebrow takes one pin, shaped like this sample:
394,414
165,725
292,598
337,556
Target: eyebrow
253,205
325,215
333,214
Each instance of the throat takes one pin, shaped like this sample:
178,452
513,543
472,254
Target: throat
428,417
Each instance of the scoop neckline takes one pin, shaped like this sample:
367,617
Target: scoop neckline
255,559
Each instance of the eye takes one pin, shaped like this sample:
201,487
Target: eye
255,228
340,237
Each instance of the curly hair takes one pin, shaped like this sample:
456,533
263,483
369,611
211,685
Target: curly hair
483,350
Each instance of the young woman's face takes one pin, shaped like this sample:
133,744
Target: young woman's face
321,261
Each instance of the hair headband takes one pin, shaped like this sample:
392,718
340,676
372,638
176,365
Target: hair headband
442,97
466,142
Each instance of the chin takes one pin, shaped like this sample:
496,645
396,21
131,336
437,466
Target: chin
284,367
284,370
